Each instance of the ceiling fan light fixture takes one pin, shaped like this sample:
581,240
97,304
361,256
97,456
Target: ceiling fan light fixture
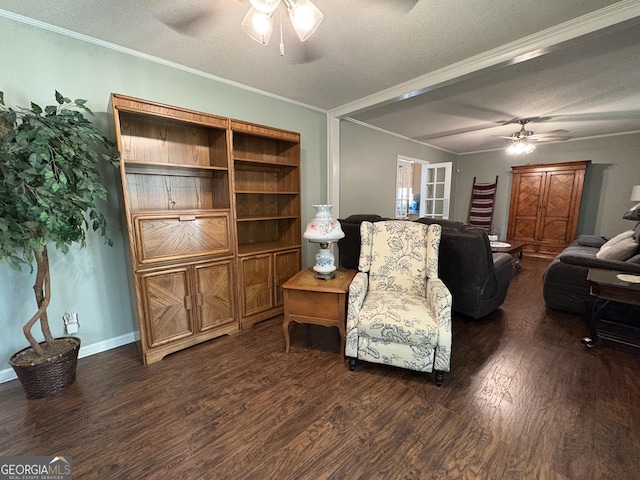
305,17
258,25
265,6
520,147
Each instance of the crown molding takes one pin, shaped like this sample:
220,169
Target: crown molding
150,58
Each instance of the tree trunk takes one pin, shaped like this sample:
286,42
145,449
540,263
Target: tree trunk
42,290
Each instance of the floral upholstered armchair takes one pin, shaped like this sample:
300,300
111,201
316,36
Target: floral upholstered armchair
399,311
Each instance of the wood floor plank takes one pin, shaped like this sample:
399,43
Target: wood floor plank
524,400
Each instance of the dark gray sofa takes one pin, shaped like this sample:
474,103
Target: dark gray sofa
477,279
564,282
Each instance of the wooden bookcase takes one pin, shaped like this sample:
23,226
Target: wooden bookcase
266,165
188,227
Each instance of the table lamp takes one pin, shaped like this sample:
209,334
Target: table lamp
323,229
634,213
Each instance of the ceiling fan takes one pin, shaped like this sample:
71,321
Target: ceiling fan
521,140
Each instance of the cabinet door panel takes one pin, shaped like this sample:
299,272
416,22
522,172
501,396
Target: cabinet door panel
529,192
167,306
175,236
559,194
287,264
256,283
214,292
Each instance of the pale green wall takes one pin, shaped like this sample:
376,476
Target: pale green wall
368,161
614,170
93,281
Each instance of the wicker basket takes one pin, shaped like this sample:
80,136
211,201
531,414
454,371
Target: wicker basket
49,378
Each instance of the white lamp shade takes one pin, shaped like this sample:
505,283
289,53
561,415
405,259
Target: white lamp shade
258,25
265,6
635,194
323,228
304,16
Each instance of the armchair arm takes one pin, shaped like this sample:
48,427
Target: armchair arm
357,292
439,304
589,261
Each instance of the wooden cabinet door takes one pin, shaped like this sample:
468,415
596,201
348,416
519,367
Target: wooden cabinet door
526,200
256,283
214,294
558,207
287,264
167,307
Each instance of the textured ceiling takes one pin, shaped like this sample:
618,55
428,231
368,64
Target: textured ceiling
587,83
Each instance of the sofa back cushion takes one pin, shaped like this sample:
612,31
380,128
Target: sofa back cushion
446,225
621,247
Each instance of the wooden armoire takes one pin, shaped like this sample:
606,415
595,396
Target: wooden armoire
544,207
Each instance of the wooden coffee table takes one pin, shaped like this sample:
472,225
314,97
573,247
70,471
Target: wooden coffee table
514,249
318,302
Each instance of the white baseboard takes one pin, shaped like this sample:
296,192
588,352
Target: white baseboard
9,374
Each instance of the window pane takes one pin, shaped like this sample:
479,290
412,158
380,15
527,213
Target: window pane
430,191
440,174
440,190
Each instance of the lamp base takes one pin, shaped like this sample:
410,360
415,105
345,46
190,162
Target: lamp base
633,214
325,276
324,266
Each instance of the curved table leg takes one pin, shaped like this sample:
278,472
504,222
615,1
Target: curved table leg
285,328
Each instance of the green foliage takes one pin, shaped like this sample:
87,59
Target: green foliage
49,178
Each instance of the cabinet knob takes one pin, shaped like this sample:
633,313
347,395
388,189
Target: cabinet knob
187,218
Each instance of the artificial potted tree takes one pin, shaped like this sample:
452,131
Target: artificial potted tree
49,186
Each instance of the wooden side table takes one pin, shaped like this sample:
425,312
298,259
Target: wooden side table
318,302
606,287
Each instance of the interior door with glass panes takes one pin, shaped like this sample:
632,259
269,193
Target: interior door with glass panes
403,188
435,190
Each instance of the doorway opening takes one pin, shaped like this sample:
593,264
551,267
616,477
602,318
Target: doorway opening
423,189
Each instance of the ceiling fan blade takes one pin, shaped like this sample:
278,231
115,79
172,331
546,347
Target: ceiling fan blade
185,22
553,135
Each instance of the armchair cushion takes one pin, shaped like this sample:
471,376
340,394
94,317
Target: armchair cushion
398,319
403,258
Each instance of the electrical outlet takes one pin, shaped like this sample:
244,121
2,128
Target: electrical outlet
71,323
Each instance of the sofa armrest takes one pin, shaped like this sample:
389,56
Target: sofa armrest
593,262
591,241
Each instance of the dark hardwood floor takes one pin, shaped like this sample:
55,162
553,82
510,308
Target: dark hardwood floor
524,400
